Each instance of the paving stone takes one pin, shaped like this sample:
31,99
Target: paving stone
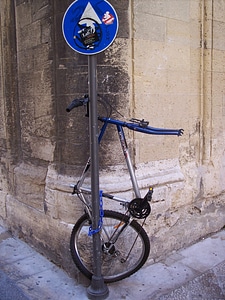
184,275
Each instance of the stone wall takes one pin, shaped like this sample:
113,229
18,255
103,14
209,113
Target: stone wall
181,85
167,66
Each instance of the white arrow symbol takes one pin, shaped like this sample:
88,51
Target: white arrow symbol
89,13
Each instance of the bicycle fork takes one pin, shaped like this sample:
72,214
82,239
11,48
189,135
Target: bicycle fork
109,247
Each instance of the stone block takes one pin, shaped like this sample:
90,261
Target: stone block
218,30
154,31
195,9
150,56
178,57
41,57
23,14
195,28
41,81
3,211
46,31
218,12
42,148
157,8
26,61
29,185
29,36
41,9
178,10
219,61
178,32
178,83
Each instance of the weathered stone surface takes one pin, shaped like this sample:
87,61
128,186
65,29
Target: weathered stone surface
29,185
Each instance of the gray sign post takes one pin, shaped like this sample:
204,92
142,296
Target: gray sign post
89,27
97,288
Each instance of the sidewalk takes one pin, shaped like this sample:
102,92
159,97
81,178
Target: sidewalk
197,272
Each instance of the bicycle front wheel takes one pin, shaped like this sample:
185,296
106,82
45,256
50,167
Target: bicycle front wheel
125,246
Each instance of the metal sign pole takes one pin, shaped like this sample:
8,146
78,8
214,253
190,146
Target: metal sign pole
97,289
90,27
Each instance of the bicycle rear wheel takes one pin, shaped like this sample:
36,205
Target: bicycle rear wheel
123,257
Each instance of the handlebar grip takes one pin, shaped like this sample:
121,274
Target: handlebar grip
77,103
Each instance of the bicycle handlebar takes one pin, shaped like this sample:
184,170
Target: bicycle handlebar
136,125
144,129
77,102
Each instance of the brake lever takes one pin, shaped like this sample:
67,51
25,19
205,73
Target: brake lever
142,123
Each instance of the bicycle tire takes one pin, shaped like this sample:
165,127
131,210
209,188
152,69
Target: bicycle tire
114,265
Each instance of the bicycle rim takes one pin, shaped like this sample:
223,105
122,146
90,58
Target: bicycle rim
124,258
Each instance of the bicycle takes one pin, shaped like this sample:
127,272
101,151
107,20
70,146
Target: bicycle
124,242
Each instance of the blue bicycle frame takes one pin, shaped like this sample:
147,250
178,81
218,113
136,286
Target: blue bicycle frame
141,126
135,125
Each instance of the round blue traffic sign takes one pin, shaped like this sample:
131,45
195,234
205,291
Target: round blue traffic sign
90,26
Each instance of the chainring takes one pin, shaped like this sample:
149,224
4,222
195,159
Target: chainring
139,208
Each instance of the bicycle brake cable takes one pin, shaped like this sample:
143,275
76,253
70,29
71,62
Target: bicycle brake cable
112,108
